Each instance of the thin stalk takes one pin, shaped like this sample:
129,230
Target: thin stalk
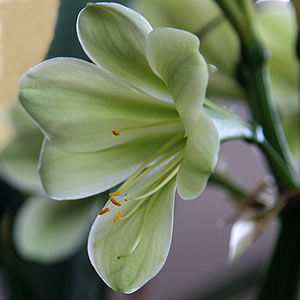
226,183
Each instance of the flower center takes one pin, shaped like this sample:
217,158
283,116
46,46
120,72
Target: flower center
144,184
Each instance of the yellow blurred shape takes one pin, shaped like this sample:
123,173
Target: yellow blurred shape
26,29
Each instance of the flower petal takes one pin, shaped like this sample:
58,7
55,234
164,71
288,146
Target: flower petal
113,36
48,231
174,56
77,104
74,175
108,240
200,158
242,236
19,160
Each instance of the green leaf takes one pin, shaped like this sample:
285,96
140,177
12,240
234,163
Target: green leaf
200,158
77,104
48,231
174,56
113,36
108,240
73,175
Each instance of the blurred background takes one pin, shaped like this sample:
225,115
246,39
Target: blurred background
197,266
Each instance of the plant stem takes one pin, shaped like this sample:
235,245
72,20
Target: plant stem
281,281
225,182
266,114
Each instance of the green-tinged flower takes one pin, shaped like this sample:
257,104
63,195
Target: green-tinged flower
136,115
219,42
44,230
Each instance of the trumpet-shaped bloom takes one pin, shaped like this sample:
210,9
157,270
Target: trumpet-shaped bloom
134,116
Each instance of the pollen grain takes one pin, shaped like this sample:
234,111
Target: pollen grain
117,193
118,216
103,211
115,131
115,202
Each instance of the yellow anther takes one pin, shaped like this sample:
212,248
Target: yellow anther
103,211
118,216
117,193
115,131
115,202
125,194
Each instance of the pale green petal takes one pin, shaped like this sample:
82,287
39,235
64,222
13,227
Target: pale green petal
22,122
108,240
19,163
219,42
73,175
77,105
200,158
174,55
113,36
47,231
19,160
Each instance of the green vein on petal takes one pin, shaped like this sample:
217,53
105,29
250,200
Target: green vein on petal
73,175
77,104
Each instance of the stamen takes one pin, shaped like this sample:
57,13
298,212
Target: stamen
117,193
115,131
158,163
103,211
125,194
115,202
165,170
141,231
118,216
163,183
154,156
146,125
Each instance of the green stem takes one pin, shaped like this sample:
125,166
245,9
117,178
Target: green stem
266,114
234,190
281,281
